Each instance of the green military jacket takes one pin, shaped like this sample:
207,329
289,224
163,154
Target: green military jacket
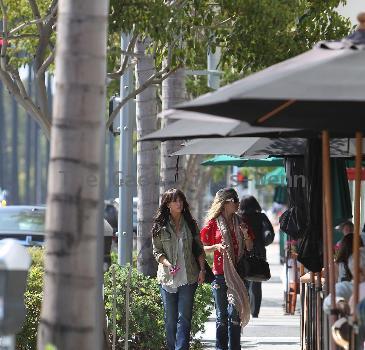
165,244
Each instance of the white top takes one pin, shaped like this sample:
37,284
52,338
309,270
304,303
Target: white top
361,295
343,292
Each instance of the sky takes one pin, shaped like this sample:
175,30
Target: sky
352,9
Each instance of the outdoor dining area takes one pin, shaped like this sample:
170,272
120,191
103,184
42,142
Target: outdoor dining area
307,115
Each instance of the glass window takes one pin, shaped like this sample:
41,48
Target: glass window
26,220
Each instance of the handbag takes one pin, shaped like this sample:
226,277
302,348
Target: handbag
291,223
253,268
267,230
209,275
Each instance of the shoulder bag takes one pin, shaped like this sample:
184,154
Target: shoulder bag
253,268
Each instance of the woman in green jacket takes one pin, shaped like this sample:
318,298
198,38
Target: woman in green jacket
180,254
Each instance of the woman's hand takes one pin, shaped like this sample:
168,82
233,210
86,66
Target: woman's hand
221,247
174,269
201,277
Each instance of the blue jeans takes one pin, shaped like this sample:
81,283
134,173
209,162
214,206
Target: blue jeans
228,329
178,310
255,293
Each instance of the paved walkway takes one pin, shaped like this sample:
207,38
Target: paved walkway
272,329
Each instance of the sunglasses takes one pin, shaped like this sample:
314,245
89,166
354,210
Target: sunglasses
233,200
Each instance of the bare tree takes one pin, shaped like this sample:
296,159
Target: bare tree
71,313
44,56
147,160
173,93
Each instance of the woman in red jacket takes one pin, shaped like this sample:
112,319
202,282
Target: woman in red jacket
227,236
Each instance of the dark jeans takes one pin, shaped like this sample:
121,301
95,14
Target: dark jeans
178,310
255,292
228,329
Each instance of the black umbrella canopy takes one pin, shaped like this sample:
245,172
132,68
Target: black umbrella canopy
261,147
322,89
191,125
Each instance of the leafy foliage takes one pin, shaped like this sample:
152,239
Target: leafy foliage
27,338
146,309
23,42
262,33
252,34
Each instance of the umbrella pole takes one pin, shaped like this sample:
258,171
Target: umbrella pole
356,242
325,287
318,289
325,250
329,224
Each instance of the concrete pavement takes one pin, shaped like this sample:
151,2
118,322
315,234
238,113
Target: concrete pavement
272,329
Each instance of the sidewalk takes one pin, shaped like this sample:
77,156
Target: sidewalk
273,329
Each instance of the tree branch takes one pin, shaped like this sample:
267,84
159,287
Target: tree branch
40,62
33,5
48,61
133,94
121,70
26,24
23,36
50,13
4,35
25,102
16,78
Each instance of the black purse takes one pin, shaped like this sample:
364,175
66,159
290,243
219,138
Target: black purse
197,251
253,268
291,223
209,275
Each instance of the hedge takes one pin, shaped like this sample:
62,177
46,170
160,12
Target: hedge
146,325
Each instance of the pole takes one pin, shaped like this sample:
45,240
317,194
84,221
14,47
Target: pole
111,172
125,214
356,242
213,60
329,223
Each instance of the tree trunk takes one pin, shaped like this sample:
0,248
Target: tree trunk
173,93
2,139
36,157
190,186
28,159
147,162
14,155
72,309
28,144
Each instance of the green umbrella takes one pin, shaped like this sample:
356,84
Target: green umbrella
275,177
242,162
341,201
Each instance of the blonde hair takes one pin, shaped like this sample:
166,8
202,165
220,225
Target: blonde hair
218,203
215,209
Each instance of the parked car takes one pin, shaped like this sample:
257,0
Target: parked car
27,224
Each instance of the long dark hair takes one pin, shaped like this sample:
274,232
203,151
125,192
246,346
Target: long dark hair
163,212
249,205
345,252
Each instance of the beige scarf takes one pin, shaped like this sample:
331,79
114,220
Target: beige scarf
237,292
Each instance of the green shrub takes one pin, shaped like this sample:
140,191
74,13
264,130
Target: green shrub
27,338
146,324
